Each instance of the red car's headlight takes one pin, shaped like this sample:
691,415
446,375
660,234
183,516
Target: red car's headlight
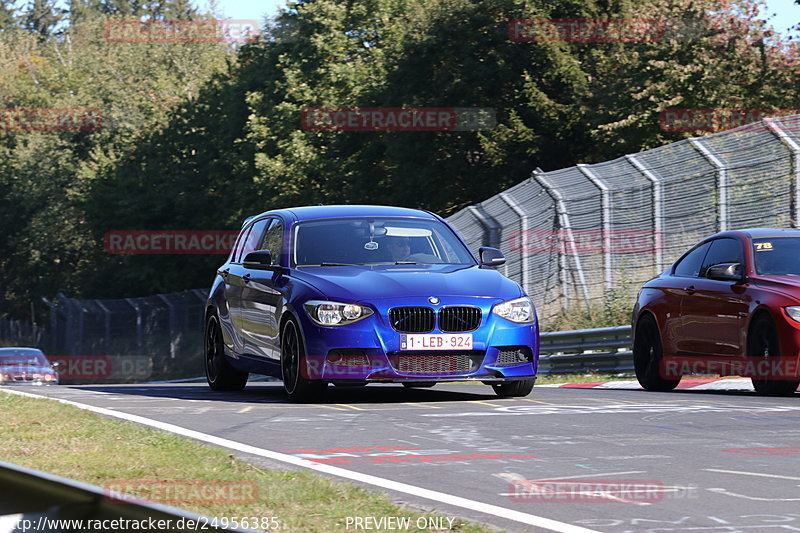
793,312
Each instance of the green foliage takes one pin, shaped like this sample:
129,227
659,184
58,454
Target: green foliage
614,309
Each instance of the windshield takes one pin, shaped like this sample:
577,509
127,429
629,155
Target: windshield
373,241
22,357
777,256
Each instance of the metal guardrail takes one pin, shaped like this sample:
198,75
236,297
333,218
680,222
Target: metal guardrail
31,500
586,350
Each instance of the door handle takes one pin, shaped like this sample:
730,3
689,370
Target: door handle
224,273
690,289
246,278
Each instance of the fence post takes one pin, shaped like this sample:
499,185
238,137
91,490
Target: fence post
563,216
523,217
605,200
139,335
492,229
658,206
783,136
173,326
722,181
106,326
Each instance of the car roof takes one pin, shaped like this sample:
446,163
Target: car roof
17,349
756,233
762,233
333,211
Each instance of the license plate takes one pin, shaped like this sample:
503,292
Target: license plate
436,341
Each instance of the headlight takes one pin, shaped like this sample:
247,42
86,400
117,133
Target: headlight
519,310
794,312
335,313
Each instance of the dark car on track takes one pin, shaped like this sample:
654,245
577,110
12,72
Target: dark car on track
353,295
26,366
728,306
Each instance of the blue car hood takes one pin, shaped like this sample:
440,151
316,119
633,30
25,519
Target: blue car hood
369,282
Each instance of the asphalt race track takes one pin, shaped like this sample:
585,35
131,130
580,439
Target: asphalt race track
624,460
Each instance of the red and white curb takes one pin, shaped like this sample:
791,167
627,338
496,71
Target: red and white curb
731,384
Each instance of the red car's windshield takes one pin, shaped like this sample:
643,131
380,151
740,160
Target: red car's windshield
778,256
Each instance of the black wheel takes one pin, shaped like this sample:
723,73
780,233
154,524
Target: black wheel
762,344
297,387
647,355
514,389
418,384
219,373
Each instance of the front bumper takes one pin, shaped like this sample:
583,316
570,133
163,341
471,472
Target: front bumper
369,350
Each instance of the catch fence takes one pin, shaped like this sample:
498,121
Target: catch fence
571,236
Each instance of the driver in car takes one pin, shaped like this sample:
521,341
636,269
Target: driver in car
399,248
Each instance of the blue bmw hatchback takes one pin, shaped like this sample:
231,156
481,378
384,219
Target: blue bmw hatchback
352,295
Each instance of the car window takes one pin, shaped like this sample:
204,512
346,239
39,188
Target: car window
237,248
777,257
22,358
722,251
379,240
691,263
253,238
273,240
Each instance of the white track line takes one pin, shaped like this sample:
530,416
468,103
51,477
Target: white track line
751,474
441,497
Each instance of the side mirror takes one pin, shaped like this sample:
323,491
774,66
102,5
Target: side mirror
491,257
259,260
725,272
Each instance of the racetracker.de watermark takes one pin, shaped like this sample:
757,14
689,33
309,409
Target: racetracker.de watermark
720,119
209,31
169,241
398,119
51,119
592,490
585,241
181,492
784,368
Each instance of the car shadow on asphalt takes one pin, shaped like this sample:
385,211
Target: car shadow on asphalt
272,392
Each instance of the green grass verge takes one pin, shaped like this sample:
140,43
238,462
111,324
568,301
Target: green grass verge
81,445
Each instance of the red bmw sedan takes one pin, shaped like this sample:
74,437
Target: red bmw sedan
728,306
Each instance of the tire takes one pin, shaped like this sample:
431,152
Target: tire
647,355
762,342
219,373
298,388
514,389
418,384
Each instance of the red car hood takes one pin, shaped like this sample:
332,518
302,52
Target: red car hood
788,285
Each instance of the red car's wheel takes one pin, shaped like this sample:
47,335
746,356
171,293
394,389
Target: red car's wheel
647,356
762,344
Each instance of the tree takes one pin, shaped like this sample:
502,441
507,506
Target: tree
7,15
42,17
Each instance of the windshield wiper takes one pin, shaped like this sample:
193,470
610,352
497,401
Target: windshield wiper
407,263
325,264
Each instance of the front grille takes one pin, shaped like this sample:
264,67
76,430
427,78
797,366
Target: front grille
459,318
436,362
513,355
412,319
